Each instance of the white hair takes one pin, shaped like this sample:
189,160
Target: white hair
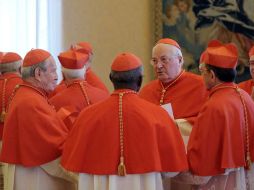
10,67
176,51
74,73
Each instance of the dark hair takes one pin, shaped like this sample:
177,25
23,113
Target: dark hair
126,79
223,74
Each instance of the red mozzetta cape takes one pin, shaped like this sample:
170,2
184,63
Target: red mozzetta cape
33,134
152,142
73,99
186,95
217,139
247,86
12,80
74,96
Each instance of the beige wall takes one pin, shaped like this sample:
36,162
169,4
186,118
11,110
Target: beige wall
111,27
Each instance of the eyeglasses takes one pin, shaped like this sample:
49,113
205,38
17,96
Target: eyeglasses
163,60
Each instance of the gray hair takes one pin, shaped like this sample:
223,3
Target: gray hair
74,73
10,67
28,72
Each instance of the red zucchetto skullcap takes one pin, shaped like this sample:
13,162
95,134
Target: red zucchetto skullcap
251,54
168,41
10,57
126,62
221,55
35,56
72,59
83,47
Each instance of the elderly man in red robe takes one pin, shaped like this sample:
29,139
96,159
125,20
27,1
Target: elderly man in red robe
79,94
10,65
221,145
248,85
174,87
33,134
91,77
129,142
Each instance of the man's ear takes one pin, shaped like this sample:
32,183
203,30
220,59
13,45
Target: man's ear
213,76
37,73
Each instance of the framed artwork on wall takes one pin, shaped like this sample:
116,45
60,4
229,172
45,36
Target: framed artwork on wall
193,23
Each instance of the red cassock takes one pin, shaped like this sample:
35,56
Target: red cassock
10,80
217,140
78,96
152,142
187,94
247,85
33,134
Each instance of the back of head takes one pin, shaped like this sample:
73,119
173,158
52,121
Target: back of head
34,58
10,62
222,59
73,64
126,72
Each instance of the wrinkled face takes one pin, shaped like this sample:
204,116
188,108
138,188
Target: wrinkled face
166,62
252,68
48,78
206,74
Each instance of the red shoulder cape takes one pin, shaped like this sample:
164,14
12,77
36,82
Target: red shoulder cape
186,95
217,139
33,134
73,96
152,142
